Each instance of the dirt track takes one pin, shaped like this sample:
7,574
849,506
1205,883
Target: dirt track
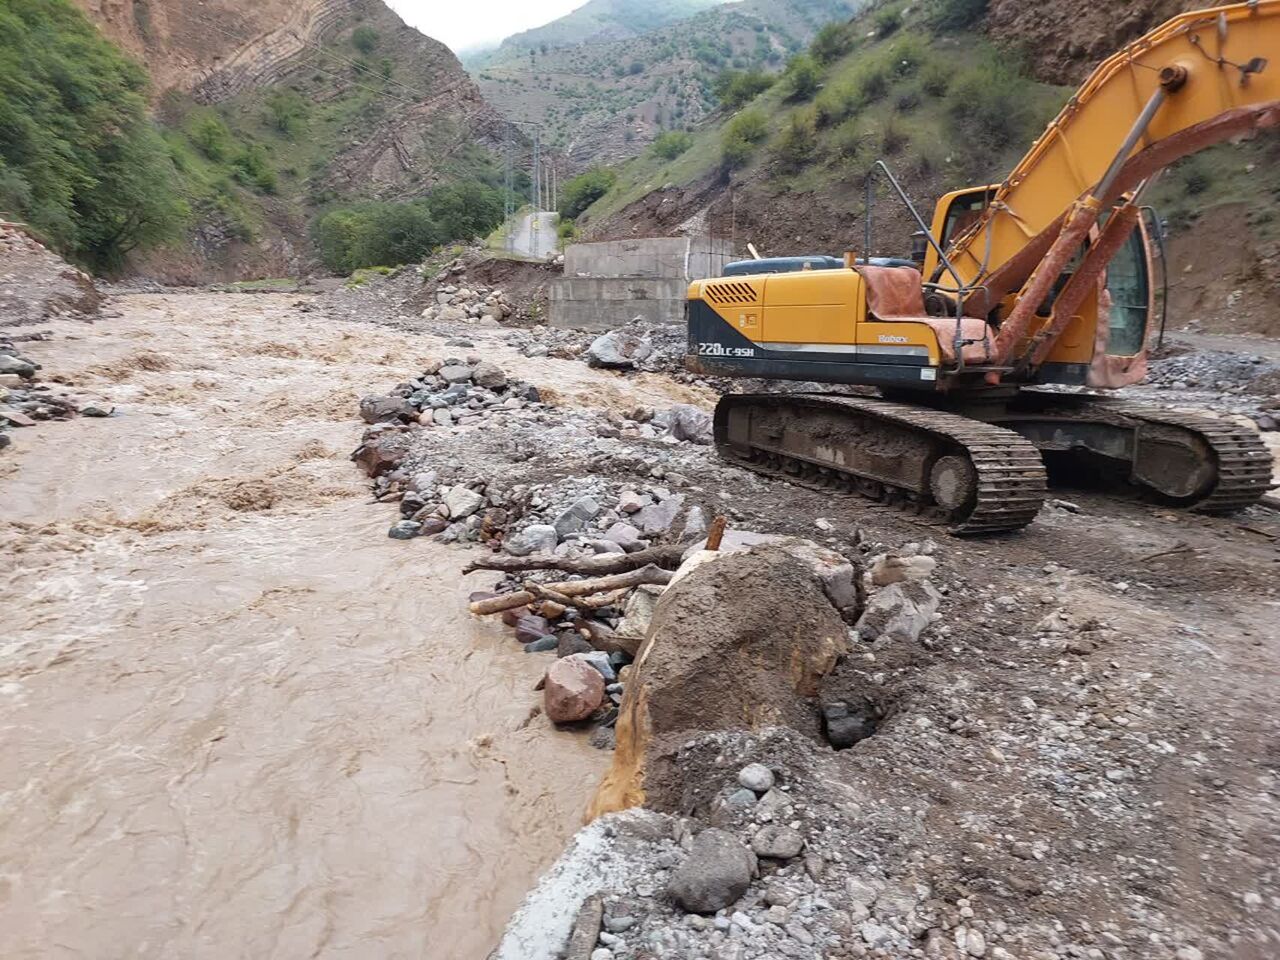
247,723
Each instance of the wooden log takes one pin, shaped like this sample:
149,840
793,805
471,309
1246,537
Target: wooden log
507,601
568,589
716,533
588,604
667,556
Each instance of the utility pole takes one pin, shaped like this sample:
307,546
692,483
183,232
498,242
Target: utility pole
537,169
508,190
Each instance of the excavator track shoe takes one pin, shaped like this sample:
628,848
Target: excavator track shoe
970,475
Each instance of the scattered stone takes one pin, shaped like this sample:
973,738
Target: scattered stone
542,644
900,611
618,350
461,502
535,538
404,530
777,842
756,777
573,690
489,375
689,423
530,628
455,374
716,873
574,519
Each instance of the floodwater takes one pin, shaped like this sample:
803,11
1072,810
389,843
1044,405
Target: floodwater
236,720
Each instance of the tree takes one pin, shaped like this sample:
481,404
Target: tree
584,190
672,143
735,88
288,111
831,43
80,159
365,39
465,210
804,77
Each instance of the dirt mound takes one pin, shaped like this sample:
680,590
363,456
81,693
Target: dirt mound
36,284
720,654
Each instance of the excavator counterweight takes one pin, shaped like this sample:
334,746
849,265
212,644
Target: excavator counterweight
1043,279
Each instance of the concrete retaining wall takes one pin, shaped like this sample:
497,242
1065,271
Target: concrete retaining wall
606,285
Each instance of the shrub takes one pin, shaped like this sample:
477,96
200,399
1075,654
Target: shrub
672,143
465,210
831,43
364,39
208,132
79,158
796,144
1197,177
287,112
873,84
803,76
836,102
741,136
375,235
735,88
888,21
987,102
850,142
252,168
907,55
893,136
907,101
957,14
584,190
935,79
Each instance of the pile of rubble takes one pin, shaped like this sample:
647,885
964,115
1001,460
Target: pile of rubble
1242,384
24,400
36,284
475,457
967,823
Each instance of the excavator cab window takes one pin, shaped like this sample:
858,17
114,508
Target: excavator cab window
1129,283
964,212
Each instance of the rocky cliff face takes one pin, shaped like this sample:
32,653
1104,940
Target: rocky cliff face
389,113
1064,41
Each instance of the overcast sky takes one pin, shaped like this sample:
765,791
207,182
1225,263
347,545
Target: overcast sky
466,24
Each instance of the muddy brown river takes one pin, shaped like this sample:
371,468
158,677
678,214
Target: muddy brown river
237,720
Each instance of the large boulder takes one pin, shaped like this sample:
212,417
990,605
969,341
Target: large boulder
716,873
839,577
901,611
381,452
739,642
380,409
686,422
572,691
618,350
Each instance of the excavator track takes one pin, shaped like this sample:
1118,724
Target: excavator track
1242,460
973,476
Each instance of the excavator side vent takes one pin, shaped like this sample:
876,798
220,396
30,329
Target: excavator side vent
729,292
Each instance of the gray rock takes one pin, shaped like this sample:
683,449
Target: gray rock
756,777
638,612
404,530
846,726
456,374
574,519
20,367
741,799
618,350
379,409
777,842
489,375
686,422
716,873
629,501
626,536
462,502
600,660
900,611
535,538
695,523
657,517
543,643
604,546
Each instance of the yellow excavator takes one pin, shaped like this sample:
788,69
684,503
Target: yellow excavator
1013,291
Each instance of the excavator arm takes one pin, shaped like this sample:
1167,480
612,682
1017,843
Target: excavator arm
1198,80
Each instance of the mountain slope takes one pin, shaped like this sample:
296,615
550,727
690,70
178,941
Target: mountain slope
276,111
949,108
603,100
597,20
